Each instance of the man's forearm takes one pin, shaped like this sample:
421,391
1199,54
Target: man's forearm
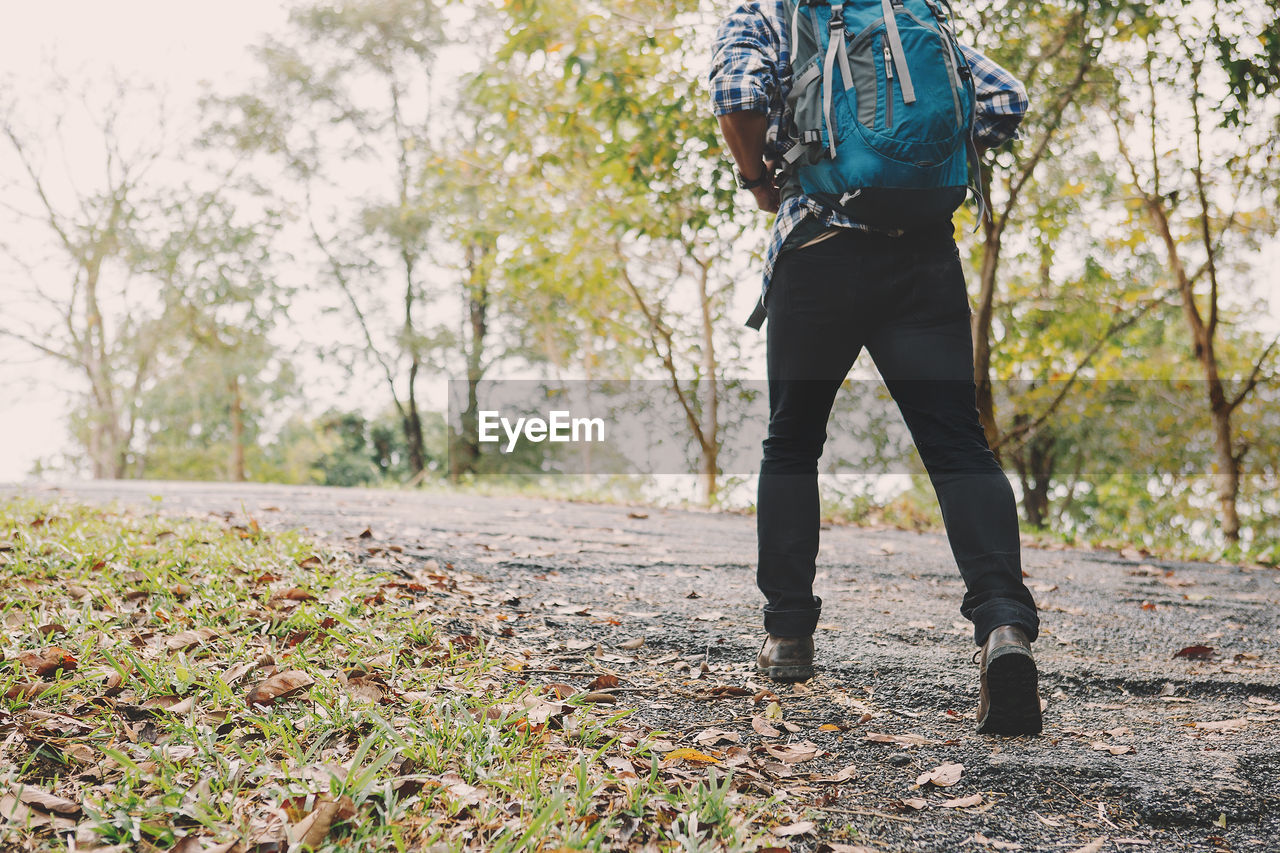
744,133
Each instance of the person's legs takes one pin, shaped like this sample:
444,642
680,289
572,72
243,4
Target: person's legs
925,354
812,342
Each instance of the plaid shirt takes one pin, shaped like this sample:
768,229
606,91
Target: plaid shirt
751,70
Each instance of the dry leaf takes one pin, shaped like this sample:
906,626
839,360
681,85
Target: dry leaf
632,645
47,802
686,754
1113,748
1196,653
560,691
764,729
172,704
963,802
366,687
598,698
25,690
916,803
804,827
794,753
603,682
711,737
188,639
944,775
843,776
279,686
312,830
1223,725
46,662
1092,847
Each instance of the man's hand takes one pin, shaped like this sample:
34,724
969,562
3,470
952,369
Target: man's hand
744,134
767,194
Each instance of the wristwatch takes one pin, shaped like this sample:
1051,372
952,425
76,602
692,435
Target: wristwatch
747,183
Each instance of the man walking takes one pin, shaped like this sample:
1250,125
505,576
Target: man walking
862,255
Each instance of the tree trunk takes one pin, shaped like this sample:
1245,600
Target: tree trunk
237,431
466,443
710,438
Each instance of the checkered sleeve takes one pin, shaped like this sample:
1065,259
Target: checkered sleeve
744,61
1002,100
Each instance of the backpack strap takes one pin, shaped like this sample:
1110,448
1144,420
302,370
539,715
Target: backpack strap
899,54
836,52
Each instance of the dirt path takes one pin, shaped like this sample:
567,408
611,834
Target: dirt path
1202,771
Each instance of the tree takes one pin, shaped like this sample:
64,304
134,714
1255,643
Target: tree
218,367
608,107
1208,202
345,106
84,307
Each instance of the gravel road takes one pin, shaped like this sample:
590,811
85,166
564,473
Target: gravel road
1201,770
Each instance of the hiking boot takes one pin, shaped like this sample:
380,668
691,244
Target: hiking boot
786,658
1008,703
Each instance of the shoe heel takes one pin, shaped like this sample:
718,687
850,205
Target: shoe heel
1012,682
787,673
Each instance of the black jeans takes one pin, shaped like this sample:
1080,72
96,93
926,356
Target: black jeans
904,299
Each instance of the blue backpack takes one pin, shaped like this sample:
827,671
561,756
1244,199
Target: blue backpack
882,101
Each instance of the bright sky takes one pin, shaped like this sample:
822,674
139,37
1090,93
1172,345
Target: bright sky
176,45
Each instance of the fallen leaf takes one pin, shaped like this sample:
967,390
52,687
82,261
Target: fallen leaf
711,737
188,639
686,754
1113,748
712,616
312,830
369,688
1223,725
172,704
1092,847
843,776
46,662
804,827
963,802
794,753
632,645
26,690
297,593
1196,653
560,691
598,698
944,775
279,686
764,729
47,802
916,803
15,811
603,682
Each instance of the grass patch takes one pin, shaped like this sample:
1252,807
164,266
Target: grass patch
194,684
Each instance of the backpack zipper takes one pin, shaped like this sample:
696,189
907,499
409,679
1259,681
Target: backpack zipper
888,89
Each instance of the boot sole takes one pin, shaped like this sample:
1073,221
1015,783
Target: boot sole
800,672
1014,701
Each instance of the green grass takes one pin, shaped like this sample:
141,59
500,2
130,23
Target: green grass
408,738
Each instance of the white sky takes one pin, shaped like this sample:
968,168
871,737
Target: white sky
175,44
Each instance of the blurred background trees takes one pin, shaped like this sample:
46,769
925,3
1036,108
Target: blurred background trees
412,192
